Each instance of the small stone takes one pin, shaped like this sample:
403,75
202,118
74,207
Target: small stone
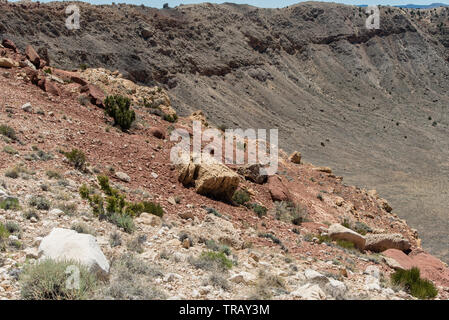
149,219
56,212
186,243
27,107
186,215
154,175
195,293
122,176
33,219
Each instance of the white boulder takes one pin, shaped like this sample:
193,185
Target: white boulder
309,292
65,244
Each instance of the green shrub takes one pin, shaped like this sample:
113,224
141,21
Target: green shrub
362,228
10,150
84,191
270,236
69,209
77,158
212,245
412,282
115,239
267,284
12,227
30,214
324,238
7,131
123,221
218,280
211,260
153,208
170,118
39,155
346,223
103,181
10,204
137,243
346,244
12,173
132,279
4,233
359,227
83,228
214,212
114,206
241,197
290,213
16,244
40,203
48,279
259,210
117,107
53,174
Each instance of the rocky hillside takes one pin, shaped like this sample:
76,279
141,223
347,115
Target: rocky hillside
75,186
372,104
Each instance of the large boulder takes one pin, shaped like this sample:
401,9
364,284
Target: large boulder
69,76
65,244
7,63
382,242
218,229
95,94
48,86
278,190
430,267
33,56
339,232
209,177
252,172
9,44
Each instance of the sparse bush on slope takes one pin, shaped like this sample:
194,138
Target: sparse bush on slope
118,107
114,207
49,280
77,158
7,131
412,282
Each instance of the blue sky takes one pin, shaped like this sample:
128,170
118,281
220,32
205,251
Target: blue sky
258,3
